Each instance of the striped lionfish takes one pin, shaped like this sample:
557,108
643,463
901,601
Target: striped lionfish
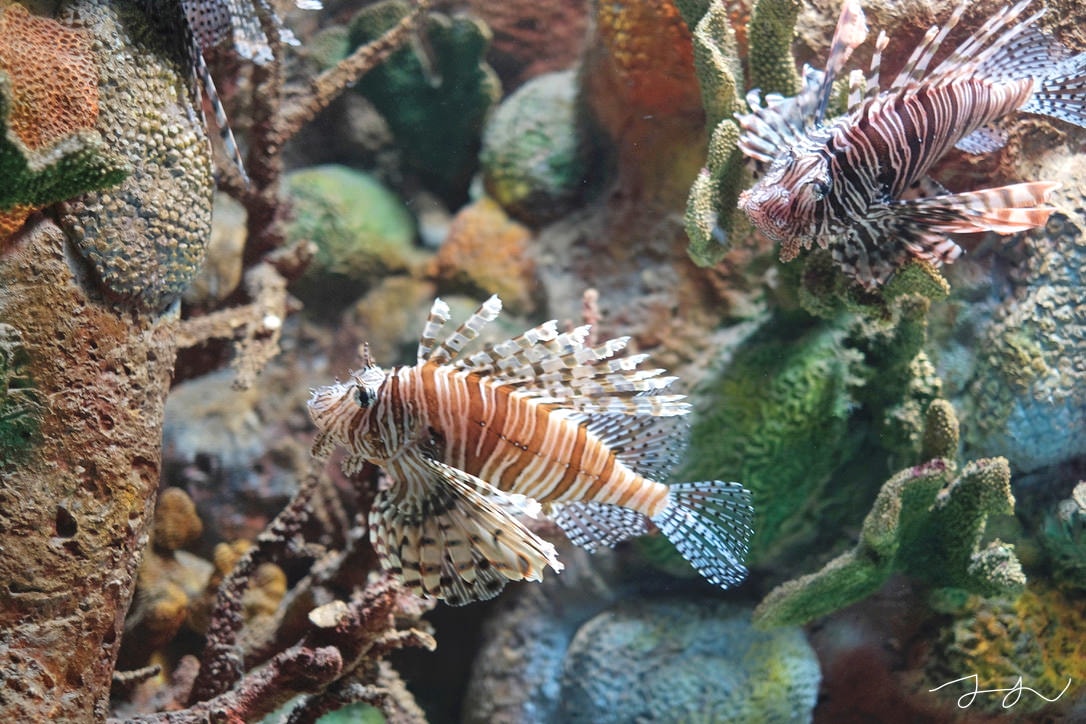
543,422
858,183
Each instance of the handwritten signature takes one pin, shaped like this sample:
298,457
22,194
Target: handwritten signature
1010,696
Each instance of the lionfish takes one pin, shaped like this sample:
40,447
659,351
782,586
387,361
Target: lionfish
540,423
858,184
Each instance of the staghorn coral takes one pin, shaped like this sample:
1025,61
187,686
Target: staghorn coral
1035,636
167,197
435,104
535,159
772,30
49,149
486,252
927,522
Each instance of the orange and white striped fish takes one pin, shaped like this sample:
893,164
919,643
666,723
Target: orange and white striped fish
858,184
542,422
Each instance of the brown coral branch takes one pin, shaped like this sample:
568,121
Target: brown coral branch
221,664
328,85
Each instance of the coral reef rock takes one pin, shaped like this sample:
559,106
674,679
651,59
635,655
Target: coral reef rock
679,660
534,157
531,39
362,231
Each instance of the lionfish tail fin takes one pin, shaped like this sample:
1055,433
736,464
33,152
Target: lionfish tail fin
456,538
1062,93
710,525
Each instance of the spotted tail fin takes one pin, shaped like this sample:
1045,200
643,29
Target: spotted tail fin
710,525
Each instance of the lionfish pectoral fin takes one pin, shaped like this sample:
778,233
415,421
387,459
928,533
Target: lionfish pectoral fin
1004,210
710,524
590,524
455,538
323,445
984,140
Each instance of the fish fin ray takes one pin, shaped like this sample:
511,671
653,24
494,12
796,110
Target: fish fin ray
591,525
1062,93
710,525
651,446
449,349
451,535
439,315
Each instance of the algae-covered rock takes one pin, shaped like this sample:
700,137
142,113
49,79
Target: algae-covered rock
672,660
535,156
20,407
362,231
435,102
1063,535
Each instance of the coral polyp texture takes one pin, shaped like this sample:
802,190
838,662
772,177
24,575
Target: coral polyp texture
147,117
49,148
928,521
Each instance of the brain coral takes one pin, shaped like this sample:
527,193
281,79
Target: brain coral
147,116
686,660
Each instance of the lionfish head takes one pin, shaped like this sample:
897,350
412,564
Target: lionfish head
783,204
333,408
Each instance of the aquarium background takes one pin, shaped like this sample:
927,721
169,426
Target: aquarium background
917,453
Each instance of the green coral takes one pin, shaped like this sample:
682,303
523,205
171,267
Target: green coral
362,232
772,29
20,408
1063,535
778,420
434,97
926,522
76,164
824,291
711,205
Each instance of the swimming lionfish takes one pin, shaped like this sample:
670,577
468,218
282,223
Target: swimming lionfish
542,422
858,184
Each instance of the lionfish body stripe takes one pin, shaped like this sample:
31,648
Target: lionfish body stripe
858,184
471,443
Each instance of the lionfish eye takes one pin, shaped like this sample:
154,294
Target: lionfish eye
821,189
364,396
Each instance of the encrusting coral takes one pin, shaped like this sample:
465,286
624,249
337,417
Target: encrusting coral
49,148
926,521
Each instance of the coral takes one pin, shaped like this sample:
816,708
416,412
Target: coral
176,524
1028,395
926,522
20,408
1063,535
486,252
166,199
711,205
1035,636
435,104
678,660
535,161
49,150
777,419
362,232
772,29
531,39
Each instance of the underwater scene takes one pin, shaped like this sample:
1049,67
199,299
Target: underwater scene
555,361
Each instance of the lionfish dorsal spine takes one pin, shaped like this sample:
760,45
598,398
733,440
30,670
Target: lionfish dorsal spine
850,33
435,322
450,348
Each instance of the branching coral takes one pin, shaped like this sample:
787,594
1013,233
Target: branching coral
926,522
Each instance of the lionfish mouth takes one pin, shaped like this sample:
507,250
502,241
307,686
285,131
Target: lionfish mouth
753,204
